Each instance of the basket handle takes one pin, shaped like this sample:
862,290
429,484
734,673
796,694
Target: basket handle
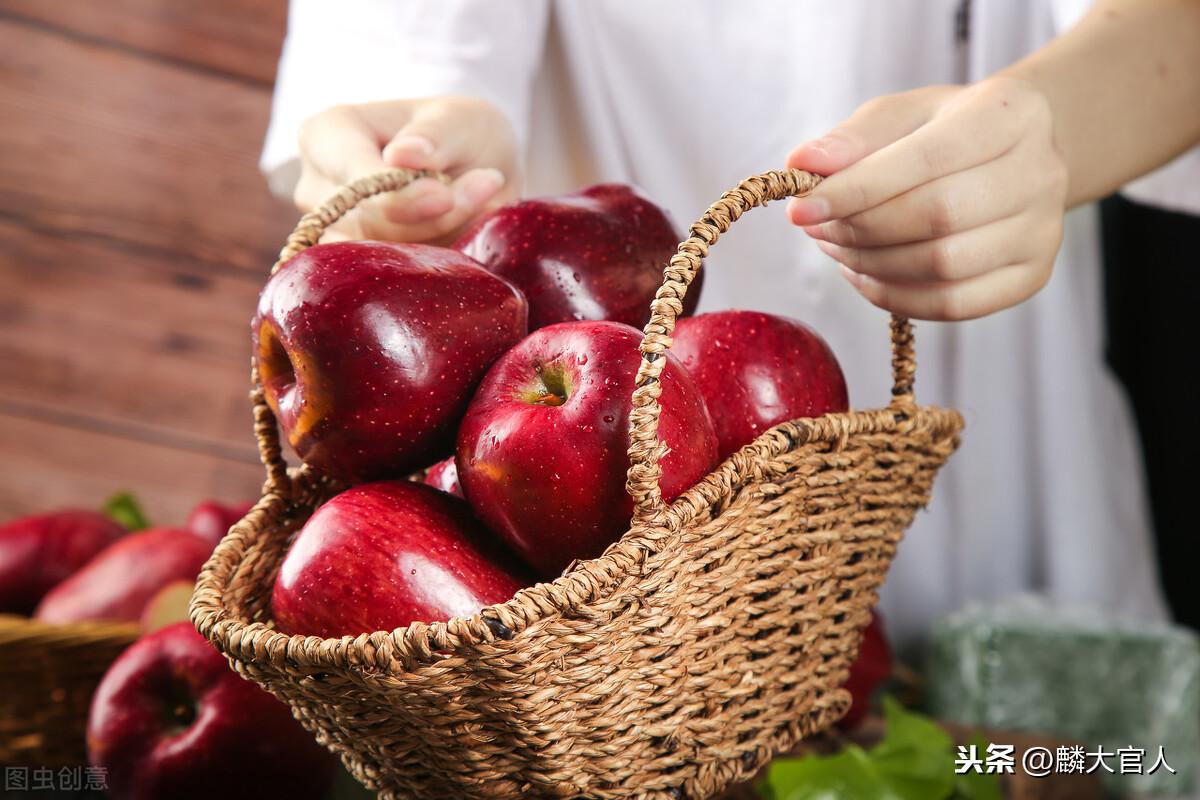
645,450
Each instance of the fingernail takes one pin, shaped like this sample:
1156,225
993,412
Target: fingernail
853,277
810,210
832,250
817,231
482,185
408,145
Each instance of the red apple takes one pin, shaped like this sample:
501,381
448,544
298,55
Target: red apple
872,667
211,520
118,582
170,719
542,451
757,370
444,475
368,351
595,254
40,551
383,555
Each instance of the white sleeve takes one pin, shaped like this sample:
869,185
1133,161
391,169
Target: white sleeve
357,51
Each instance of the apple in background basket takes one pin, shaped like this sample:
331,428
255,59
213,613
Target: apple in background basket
543,449
383,555
121,579
211,519
444,475
38,552
170,719
368,352
757,370
595,254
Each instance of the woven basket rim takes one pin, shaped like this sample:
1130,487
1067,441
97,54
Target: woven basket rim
15,627
403,649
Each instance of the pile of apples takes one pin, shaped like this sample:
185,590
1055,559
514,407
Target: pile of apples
503,369
169,718
504,366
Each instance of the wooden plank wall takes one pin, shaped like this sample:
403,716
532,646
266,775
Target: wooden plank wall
136,231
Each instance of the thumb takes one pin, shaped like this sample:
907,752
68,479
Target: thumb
872,127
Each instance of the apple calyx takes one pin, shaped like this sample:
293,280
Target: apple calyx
180,708
552,386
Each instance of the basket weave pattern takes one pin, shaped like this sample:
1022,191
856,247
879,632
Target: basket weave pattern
715,634
47,676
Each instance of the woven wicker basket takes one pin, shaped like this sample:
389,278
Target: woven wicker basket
47,676
715,634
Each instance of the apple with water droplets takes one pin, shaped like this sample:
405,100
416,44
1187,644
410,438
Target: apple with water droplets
543,450
757,370
595,254
368,351
383,555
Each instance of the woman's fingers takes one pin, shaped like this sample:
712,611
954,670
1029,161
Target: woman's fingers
994,190
1030,235
954,300
979,124
425,210
467,139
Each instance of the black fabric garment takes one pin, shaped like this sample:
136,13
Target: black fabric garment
1152,305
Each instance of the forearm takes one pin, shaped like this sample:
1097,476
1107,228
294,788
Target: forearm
1124,90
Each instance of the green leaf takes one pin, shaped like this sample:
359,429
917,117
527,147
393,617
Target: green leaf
914,761
916,757
123,508
849,774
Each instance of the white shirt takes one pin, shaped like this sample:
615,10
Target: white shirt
685,98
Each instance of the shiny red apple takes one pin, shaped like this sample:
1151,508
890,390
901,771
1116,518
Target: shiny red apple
542,451
872,667
170,719
38,552
595,254
368,351
444,475
120,580
383,555
211,519
757,370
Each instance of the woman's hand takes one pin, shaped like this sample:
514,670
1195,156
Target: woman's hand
942,203
468,139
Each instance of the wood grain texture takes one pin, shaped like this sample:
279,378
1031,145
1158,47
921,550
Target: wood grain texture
136,232
159,350
238,37
47,465
108,143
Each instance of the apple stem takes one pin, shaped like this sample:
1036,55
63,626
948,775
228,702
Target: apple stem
550,399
